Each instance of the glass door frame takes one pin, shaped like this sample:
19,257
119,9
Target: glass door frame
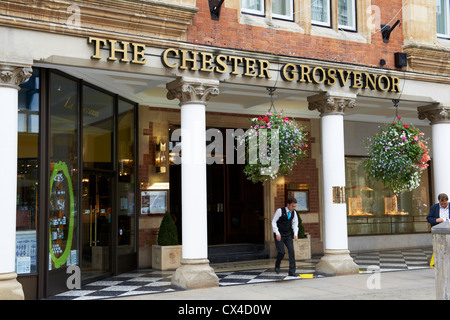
110,272
45,287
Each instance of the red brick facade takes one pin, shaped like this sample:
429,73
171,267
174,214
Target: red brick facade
228,33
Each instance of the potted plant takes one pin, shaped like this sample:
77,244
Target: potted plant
302,246
166,255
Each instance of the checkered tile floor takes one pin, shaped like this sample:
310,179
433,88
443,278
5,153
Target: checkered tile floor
148,281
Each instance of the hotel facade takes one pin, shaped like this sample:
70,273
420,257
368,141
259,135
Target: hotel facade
93,94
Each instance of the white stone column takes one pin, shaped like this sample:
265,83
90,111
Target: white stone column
194,271
440,131
10,79
336,259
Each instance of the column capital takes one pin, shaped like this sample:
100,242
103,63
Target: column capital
329,103
435,112
12,76
192,90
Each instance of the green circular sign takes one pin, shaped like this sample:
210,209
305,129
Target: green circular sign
61,260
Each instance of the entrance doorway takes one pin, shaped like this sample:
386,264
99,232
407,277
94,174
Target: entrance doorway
235,205
97,208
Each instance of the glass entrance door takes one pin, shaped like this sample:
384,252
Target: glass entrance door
96,225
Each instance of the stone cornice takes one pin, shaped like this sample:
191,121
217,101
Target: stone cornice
150,18
428,59
192,90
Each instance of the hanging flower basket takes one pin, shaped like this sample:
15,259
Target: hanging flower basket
397,156
273,145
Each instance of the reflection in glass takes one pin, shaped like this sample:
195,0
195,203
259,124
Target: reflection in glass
126,178
98,126
373,209
320,12
27,175
63,213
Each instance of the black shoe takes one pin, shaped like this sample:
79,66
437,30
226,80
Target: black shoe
277,270
292,274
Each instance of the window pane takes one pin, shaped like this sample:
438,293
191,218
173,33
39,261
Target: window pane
442,17
373,209
320,12
98,126
282,8
126,189
27,177
63,211
253,6
346,14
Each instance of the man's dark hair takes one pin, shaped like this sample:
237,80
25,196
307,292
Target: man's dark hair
442,196
291,199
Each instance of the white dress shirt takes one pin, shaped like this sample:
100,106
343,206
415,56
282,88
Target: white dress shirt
277,216
443,213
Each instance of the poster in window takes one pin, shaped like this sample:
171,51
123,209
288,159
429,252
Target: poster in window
153,202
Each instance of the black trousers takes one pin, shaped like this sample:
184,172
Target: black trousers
285,240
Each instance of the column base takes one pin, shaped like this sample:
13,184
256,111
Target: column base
336,262
194,274
10,288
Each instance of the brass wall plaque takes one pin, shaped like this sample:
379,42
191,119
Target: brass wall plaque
338,194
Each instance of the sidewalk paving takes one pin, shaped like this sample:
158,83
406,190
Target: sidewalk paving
418,284
394,275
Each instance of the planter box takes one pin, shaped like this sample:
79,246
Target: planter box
166,257
302,248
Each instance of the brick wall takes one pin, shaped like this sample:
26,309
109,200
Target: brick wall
228,33
305,172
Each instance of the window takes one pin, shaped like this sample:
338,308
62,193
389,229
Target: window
27,209
283,9
320,12
63,214
347,14
373,209
443,18
253,7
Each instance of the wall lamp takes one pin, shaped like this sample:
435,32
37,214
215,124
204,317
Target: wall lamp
386,31
214,8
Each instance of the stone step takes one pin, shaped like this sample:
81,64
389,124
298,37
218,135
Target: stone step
236,252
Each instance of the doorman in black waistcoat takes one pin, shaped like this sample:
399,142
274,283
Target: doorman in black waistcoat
283,220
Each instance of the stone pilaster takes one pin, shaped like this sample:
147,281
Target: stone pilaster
337,258
11,76
194,270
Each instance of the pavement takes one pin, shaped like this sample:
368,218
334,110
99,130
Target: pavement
386,275
418,284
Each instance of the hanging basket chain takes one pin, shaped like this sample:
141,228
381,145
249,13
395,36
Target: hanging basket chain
272,105
396,101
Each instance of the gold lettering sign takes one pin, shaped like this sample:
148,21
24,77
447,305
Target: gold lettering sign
121,48
190,60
